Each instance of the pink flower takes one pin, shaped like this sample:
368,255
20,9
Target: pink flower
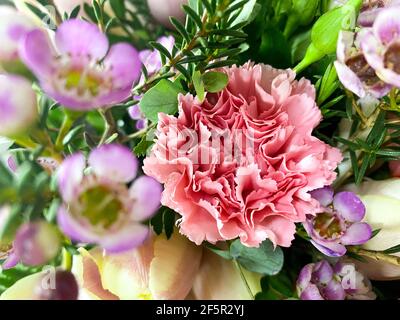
98,206
263,190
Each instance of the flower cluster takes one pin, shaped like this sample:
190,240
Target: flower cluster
322,281
367,61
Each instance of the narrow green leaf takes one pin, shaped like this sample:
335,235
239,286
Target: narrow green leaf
392,250
180,28
118,6
161,49
193,15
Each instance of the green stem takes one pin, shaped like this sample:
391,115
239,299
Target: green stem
109,124
376,255
312,55
392,97
65,127
66,260
243,277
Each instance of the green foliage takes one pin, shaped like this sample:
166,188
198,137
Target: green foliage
265,260
164,221
10,276
163,97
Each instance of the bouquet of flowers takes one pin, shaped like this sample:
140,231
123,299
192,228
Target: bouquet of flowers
200,149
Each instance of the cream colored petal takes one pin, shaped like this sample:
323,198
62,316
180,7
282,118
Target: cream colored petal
85,267
23,289
219,279
127,275
173,269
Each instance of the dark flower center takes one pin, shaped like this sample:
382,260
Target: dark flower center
392,57
327,226
362,69
100,206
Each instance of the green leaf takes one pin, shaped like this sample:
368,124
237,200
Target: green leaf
222,253
118,6
215,81
193,15
392,250
198,85
169,221
158,46
180,28
163,97
143,146
248,11
265,259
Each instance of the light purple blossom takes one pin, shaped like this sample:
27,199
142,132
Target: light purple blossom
98,206
381,45
151,59
36,243
338,224
80,70
18,105
353,70
13,27
321,281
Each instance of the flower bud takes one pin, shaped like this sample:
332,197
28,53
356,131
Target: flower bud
382,200
18,105
325,32
36,243
65,288
302,14
49,285
214,275
162,10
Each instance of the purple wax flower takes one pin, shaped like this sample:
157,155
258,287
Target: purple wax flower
321,281
98,207
81,71
338,224
381,45
151,59
353,70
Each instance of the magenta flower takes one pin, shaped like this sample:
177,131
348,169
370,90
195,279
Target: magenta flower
381,45
338,224
321,281
151,59
353,70
78,72
98,207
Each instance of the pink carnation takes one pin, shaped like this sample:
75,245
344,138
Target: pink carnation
267,117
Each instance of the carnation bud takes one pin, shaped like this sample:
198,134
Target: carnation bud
325,32
302,14
65,287
36,243
18,105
